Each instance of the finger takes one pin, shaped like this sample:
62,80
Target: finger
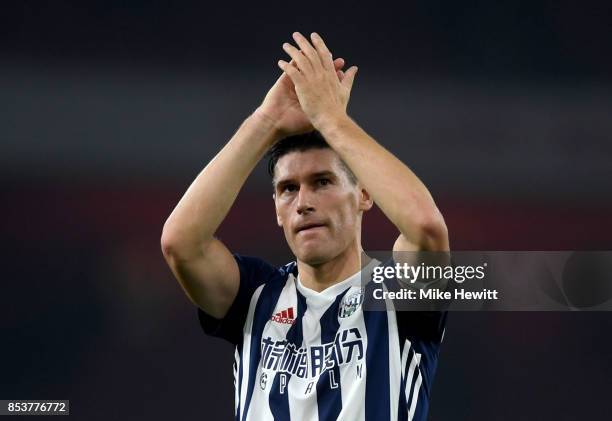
338,63
340,74
308,50
349,78
291,71
324,54
284,76
294,64
302,61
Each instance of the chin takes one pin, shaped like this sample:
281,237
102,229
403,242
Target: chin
315,256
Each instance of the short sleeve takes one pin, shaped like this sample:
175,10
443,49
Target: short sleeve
422,325
418,324
253,273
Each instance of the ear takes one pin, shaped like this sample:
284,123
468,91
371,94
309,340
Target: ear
365,201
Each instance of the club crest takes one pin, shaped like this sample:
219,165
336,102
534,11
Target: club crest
350,303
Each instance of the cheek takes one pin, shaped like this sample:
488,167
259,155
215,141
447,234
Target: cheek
347,213
280,215
283,208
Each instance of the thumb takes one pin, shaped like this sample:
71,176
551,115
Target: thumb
349,77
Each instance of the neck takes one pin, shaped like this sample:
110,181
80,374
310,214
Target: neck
321,276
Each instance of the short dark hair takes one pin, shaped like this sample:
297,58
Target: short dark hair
301,142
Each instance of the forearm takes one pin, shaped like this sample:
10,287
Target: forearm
399,193
208,199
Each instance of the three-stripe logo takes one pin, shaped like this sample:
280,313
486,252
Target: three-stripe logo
285,317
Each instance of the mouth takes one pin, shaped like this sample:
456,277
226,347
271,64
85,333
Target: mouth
309,227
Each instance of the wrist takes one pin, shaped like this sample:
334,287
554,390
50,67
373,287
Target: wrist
330,122
267,125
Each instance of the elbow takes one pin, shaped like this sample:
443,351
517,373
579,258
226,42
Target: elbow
174,242
169,242
434,232
178,244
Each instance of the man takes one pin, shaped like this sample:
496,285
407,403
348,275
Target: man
305,348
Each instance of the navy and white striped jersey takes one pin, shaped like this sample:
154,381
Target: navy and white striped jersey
307,355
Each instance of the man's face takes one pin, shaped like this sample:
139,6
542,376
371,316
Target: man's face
317,206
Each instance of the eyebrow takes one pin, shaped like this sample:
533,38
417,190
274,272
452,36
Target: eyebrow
319,174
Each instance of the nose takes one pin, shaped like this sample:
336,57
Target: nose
305,202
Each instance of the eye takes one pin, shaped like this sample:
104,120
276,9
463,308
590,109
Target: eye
289,188
323,181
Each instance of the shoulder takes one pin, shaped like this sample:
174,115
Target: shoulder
258,278
415,323
288,269
255,272
251,265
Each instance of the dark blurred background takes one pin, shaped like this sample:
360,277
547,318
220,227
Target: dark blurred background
109,109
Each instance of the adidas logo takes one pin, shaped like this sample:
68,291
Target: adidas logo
285,317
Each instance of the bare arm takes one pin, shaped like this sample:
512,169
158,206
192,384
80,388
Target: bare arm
394,187
203,266
399,193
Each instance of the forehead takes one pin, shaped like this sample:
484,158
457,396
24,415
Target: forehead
298,164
